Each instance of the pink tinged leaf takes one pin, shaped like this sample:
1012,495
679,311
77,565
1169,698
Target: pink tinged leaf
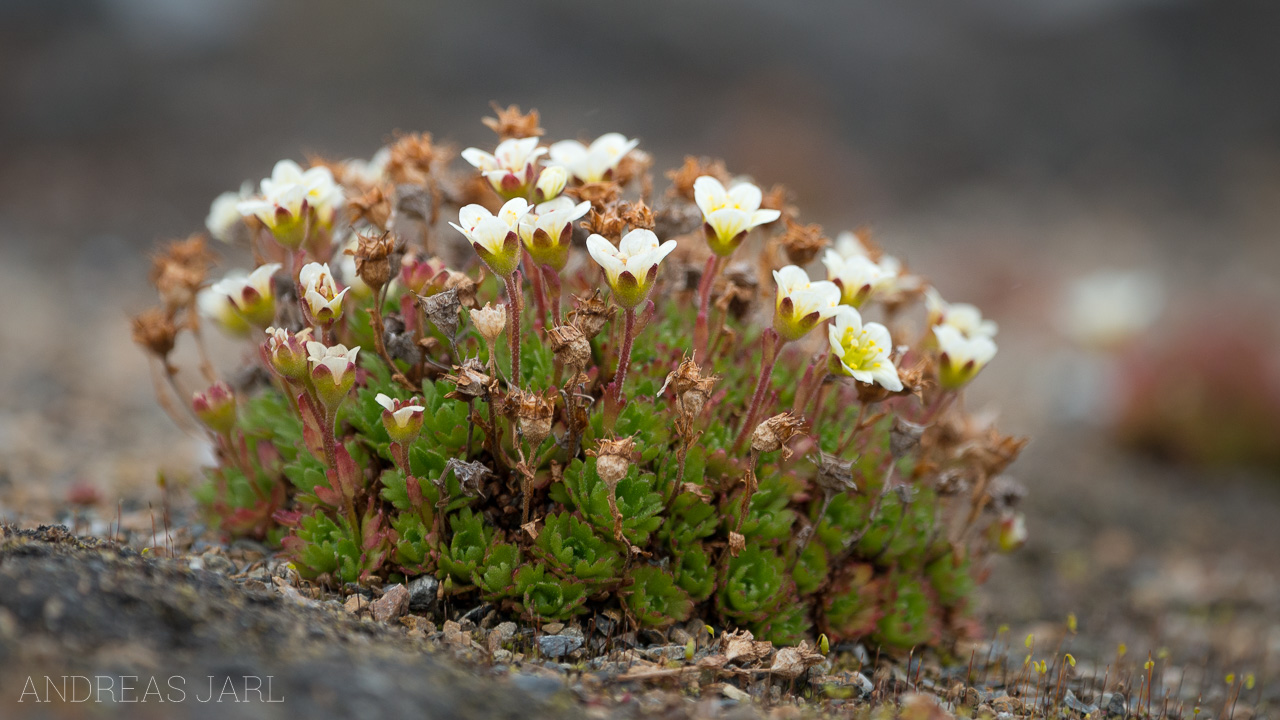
287,518
349,475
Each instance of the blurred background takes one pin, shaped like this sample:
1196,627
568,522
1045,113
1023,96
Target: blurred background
1005,149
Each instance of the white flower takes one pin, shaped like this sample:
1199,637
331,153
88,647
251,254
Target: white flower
217,306
728,215
320,292
510,168
496,239
251,296
1108,308
224,213
862,351
961,358
551,182
632,267
801,304
850,265
401,412
848,244
367,172
962,316
332,371
291,197
549,234
595,163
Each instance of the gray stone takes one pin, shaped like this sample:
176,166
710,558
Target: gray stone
1073,703
423,592
554,646
542,687
1116,705
393,603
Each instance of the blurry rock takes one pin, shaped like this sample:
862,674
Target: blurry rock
423,592
554,646
393,603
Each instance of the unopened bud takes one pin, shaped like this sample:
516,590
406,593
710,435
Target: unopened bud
424,276
216,408
333,372
287,352
551,182
401,418
1011,532
490,321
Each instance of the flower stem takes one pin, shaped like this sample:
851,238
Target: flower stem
514,301
539,294
769,341
704,307
624,358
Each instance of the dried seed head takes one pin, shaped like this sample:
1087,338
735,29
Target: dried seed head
802,242
590,315
179,270
374,206
511,123
608,223
571,347
737,289
691,389
776,432
777,199
411,158
737,543
155,331
535,413
490,321
373,259
471,381
442,310
638,215
599,194
613,459
465,287
904,436
834,475
682,178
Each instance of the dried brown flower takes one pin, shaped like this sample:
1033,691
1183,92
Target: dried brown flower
571,347
179,270
373,259
374,206
599,194
692,390
737,290
511,123
904,436
155,331
411,158
792,662
635,164
742,647
613,459
737,543
607,223
777,198
638,215
834,475
442,310
490,321
535,412
465,287
802,243
590,314
470,476
776,432
682,178
471,380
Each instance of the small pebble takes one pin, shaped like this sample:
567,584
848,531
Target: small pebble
423,592
554,646
393,603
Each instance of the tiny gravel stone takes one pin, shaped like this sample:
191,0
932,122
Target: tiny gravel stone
393,603
554,646
665,652
422,594
217,562
553,628
542,687
1073,703
1116,705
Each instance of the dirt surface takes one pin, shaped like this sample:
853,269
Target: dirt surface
83,607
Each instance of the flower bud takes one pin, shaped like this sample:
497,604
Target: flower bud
490,321
320,292
1011,531
333,372
287,352
216,408
551,182
401,418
